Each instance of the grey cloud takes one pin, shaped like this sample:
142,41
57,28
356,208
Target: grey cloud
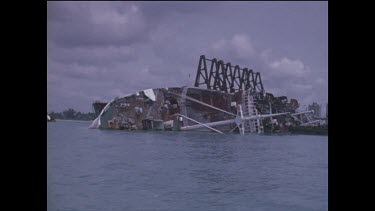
161,70
100,50
241,49
93,55
161,9
95,23
288,68
62,71
280,76
239,46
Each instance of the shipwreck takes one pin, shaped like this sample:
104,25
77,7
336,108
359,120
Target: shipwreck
224,98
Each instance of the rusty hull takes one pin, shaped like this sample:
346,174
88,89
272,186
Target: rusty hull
139,112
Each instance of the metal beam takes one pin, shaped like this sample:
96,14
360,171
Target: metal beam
192,127
221,77
202,103
304,112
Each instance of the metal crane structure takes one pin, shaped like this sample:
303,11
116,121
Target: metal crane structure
227,78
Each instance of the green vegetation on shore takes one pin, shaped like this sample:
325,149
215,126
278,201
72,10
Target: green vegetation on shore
72,114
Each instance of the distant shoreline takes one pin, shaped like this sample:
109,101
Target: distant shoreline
69,120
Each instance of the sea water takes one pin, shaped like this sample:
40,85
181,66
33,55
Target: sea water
91,169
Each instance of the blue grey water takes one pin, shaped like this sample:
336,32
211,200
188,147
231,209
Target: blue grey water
102,170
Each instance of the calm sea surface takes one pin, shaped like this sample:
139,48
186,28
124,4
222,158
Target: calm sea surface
104,170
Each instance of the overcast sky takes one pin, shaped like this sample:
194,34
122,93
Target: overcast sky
101,50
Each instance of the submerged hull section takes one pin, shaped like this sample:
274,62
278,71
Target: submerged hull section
189,108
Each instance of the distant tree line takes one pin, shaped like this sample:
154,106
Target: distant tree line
72,114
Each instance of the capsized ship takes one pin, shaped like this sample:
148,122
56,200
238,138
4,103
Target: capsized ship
231,100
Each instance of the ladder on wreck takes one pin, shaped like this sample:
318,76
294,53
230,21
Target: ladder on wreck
248,109
183,105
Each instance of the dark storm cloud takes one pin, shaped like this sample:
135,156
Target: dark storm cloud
95,23
110,23
101,50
